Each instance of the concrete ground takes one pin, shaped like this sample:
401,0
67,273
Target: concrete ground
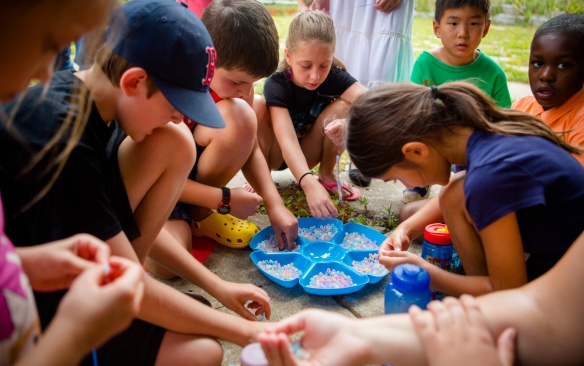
235,264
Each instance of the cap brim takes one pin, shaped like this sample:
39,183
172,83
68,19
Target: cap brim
197,106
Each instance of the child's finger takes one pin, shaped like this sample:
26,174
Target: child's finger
473,311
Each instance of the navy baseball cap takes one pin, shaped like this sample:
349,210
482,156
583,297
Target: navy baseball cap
167,40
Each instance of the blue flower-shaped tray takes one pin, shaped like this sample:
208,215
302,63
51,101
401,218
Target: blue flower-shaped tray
322,244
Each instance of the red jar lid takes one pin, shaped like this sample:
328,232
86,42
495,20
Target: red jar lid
437,234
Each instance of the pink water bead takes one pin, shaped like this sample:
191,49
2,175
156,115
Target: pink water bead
331,279
356,241
320,233
283,272
270,245
370,266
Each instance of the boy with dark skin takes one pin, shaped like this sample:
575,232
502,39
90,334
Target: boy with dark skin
556,77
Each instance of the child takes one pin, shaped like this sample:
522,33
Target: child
521,192
460,25
222,153
77,262
310,89
556,77
115,194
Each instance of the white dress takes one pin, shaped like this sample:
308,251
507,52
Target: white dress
375,46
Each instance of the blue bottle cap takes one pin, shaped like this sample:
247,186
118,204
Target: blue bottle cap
409,277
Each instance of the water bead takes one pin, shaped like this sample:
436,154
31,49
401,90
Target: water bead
321,233
331,279
283,272
270,245
356,241
370,266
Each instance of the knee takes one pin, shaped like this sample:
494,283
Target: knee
451,196
240,118
336,110
175,141
407,210
213,353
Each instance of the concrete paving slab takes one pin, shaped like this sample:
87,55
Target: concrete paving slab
235,264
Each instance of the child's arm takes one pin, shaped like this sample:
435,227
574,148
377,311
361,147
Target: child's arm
283,222
353,92
500,255
317,197
243,203
165,306
536,310
53,266
169,253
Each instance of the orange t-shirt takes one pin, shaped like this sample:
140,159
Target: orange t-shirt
567,118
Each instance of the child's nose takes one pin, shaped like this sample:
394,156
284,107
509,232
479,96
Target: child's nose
547,73
315,74
246,90
463,31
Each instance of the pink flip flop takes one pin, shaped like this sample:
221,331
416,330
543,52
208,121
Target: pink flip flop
248,187
349,193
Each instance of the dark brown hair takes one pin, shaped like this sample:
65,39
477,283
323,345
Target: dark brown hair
244,35
388,116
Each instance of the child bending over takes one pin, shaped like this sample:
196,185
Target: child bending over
310,90
516,209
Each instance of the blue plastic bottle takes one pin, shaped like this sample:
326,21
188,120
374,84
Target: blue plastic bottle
408,285
437,249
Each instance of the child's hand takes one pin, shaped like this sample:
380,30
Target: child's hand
455,332
236,296
397,240
243,203
55,265
328,340
391,259
99,305
386,6
335,131
285,225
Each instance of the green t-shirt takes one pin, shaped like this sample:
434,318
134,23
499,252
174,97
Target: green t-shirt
483,72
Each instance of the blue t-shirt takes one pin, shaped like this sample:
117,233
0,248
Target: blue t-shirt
539,181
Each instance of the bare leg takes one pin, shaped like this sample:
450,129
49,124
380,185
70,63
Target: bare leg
175,234
319,149
154,172
266,137
464,235
184,349
227,149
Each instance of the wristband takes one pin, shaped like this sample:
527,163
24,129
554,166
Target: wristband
302,177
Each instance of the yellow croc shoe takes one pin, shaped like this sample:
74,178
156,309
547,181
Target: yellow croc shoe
226,230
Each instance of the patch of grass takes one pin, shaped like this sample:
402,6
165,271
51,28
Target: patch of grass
295,201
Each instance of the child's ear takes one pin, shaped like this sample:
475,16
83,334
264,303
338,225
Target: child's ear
133,80
486,29
436,27
415,150
287,55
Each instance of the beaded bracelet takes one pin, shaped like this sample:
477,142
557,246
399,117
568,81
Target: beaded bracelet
302,177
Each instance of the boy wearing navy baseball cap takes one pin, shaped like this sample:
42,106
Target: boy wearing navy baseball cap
125,172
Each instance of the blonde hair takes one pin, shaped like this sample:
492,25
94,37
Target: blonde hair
388,116
311,26
72,127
